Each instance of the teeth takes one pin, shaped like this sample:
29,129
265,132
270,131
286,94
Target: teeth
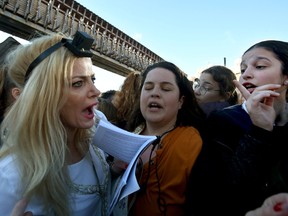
249,86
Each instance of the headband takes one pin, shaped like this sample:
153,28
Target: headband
80,46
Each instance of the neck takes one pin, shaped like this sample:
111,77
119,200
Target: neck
157,130
74,155
282,118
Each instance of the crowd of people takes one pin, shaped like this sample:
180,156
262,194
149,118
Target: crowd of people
220,146
244,158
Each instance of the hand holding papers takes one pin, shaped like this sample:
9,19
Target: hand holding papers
125,146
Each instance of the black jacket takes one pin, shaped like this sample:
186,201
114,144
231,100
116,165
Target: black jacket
239,166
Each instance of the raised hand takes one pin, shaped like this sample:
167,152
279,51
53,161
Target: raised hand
276,205
260,103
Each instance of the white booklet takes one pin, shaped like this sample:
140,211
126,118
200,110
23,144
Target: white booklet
125,146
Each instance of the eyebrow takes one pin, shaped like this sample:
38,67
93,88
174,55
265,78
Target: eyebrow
205,82
256,59
83,76
261,58
164,82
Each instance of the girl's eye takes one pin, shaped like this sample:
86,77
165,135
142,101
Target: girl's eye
77,84
260,67
242,70
148,87
93,79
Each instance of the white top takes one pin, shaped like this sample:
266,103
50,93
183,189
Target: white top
88,197
244,106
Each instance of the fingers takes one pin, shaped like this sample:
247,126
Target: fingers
268,101
267,90
119,166
20,208
275,199
275,205
244,92
266,97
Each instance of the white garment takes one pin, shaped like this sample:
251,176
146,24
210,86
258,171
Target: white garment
81,204
244,107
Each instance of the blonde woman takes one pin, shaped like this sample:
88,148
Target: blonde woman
46,157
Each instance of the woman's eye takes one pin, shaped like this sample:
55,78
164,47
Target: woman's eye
93,79
148,87
260,67
77,84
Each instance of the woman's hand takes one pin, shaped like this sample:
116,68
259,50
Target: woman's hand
19,209
118,166
260,103
276,205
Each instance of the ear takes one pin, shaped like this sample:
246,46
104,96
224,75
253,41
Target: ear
181,101
15,92
227,95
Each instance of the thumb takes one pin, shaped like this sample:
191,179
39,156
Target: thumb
20,208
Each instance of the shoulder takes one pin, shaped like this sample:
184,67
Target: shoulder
8,166
10,183
189,130
229,111
233,114
9,171
184,141
214,106
186,134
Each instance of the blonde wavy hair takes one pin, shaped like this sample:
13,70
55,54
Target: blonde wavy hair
32,129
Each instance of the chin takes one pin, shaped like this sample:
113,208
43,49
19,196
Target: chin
88,125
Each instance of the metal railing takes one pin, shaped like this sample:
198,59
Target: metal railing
113,50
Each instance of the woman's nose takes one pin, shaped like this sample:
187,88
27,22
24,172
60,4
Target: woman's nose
95,92
248,73
197,91
155,92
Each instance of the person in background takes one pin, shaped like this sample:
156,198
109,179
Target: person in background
109,95
47,158
125,99
169,110
118,108
215,89
244,160
106,106
8,90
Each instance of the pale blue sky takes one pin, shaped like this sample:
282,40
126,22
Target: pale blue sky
192,34
196,34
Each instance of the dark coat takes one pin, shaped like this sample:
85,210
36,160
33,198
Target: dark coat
239,166
213,106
